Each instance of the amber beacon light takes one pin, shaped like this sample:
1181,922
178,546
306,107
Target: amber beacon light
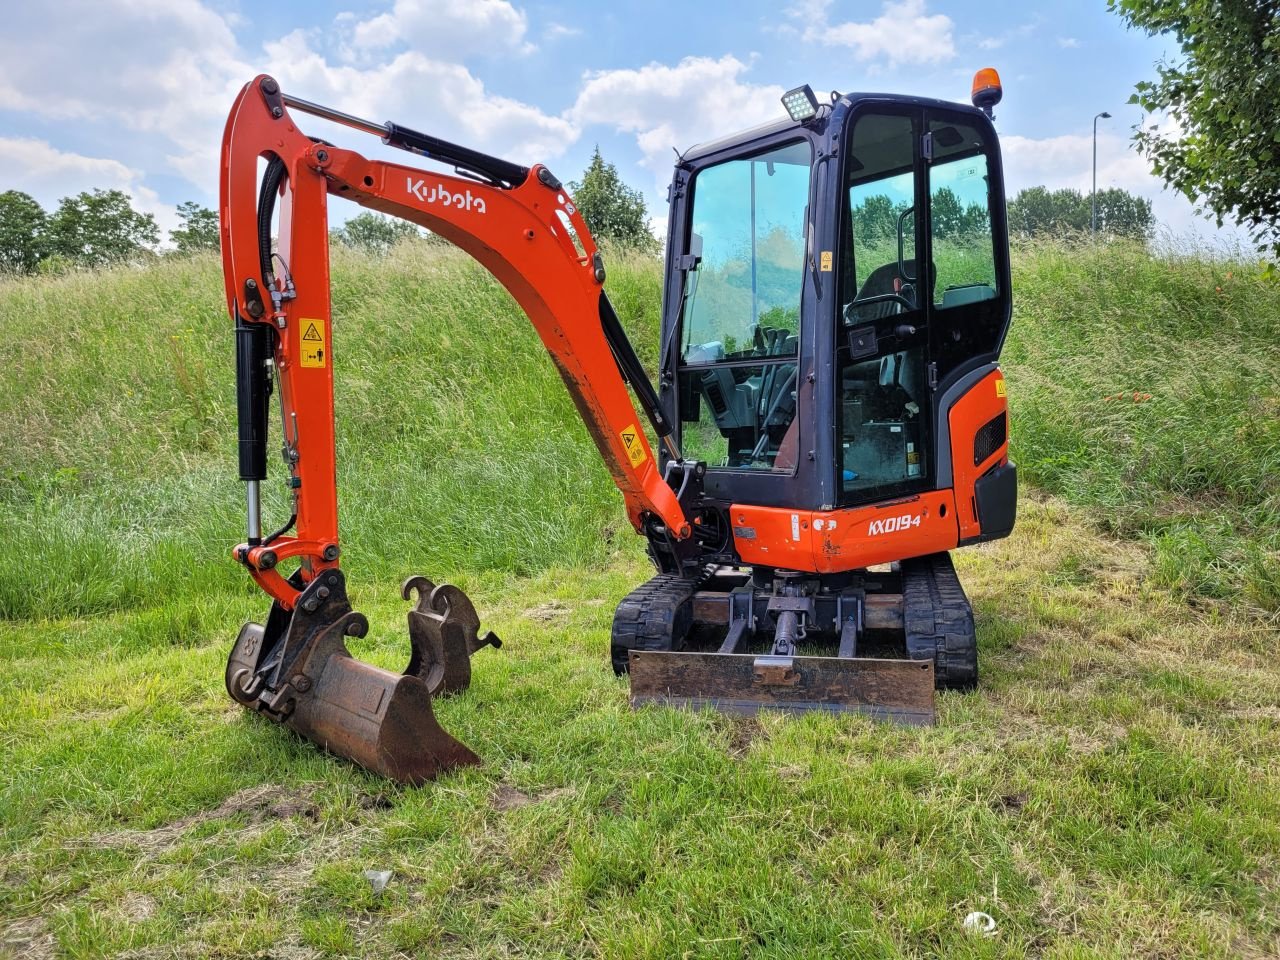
986,90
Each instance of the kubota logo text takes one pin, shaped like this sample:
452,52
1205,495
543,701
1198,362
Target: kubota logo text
441,195
892,524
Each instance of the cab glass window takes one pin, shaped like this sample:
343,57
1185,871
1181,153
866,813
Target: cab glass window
960,217
740,321
742,300
879,267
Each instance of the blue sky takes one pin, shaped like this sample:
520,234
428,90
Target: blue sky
132,94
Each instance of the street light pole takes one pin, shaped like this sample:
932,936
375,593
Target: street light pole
1093,200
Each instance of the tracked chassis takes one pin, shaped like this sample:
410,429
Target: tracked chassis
870,642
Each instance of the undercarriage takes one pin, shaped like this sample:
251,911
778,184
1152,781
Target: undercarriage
739,639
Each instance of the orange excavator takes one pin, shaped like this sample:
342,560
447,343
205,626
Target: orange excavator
830,415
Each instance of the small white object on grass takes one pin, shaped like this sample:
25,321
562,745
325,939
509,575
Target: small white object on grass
980,923
378,879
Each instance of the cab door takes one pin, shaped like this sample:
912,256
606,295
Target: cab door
883,383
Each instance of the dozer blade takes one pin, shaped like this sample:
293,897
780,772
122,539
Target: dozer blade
898,690
297,670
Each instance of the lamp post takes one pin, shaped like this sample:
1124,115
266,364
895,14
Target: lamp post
1093,199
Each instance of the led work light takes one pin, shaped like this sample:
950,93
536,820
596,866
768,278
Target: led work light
801,104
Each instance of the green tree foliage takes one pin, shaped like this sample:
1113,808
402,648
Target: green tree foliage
98,228
1039,212
612,210
199,230
1224,98
23,224
876,218
375,232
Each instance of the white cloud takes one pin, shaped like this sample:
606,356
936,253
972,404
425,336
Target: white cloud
165,68
677,106
49,174
459,108
1068,43
903,33
1067,161
163,73
559,31
443,28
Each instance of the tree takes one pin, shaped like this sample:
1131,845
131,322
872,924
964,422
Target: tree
23,226
613,210
98,228
374,232
1223,98
1123,214
199,230
1066,213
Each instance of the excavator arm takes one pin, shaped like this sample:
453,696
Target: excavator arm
524,228
518,222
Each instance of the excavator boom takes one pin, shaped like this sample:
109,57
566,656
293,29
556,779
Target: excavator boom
523,227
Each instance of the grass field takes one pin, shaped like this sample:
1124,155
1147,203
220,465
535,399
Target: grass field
1112,790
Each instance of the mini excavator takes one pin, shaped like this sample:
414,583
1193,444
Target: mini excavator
830,416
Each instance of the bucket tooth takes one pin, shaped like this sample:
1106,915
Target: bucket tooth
297,670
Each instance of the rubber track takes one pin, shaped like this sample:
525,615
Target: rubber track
651,617
939,621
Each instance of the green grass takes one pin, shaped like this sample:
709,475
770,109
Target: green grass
1149,389
1111,791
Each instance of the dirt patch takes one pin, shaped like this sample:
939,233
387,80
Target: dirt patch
506,798
1011,802
550,612
137,907
742,732
29,939
375,801
258,805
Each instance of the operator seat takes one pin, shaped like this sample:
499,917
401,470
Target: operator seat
880,282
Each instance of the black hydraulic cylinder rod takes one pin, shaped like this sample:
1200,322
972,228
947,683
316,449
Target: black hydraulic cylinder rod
502,171
433,148
631,368
253,348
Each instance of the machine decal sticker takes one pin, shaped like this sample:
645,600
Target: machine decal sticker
313,351
441,194
795,526
634,446
893,524
1000,389
826,261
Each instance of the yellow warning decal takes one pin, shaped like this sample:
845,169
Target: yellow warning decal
1000,389
825,263
314,351
634,444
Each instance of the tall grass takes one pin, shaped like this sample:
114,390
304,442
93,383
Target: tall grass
460,451
1149,388
459,448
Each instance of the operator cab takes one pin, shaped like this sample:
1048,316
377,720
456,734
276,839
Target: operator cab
827,282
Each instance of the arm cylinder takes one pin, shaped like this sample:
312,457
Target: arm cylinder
253,348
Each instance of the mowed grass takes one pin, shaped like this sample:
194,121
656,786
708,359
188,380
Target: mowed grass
1111,790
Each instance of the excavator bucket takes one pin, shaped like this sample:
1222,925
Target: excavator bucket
296,669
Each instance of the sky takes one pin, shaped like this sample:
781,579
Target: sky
133,94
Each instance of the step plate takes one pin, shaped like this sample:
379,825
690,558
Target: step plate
896,690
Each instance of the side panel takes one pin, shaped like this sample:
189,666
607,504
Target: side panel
833,541
978,407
